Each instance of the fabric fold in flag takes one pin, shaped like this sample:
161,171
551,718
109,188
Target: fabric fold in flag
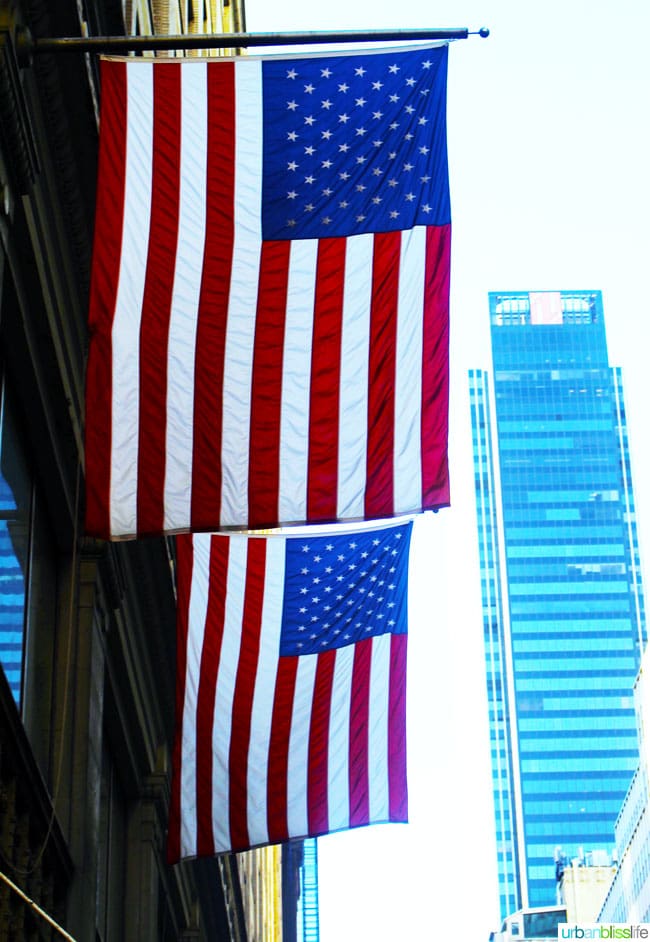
269,298
291,687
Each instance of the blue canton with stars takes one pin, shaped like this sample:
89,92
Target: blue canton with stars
341,589
354,144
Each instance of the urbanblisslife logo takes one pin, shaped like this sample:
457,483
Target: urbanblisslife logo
593,930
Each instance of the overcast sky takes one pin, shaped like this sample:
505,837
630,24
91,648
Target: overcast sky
549,153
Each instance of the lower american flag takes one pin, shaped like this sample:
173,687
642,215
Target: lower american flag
291,688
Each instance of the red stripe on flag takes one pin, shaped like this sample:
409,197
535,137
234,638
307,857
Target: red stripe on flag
266,404
324,401
184,563
397,787
213,301
435,368
278,767
210,656
242,708
379,497
157,299
359,713
317,804
107,250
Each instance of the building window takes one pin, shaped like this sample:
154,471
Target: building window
28,583
15,514
111,856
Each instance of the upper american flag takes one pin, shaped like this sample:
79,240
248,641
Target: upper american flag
270,291
291,687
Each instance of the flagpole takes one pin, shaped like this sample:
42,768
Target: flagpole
27,45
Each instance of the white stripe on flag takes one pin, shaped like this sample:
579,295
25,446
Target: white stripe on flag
294,420
298,764
338,763
226,680
408,378
185,298
355,340
125,368
378,804
197,613
262,709
242,304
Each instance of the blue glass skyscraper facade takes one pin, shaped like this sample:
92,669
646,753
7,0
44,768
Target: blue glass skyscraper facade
300,911
309,896
563,615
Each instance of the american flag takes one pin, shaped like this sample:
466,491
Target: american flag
291,690
269,297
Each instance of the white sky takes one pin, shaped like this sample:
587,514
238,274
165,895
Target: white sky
549,154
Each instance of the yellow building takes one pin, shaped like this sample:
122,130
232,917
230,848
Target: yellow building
176,17
260,876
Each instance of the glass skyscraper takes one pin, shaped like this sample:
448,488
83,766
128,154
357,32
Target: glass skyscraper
563,617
